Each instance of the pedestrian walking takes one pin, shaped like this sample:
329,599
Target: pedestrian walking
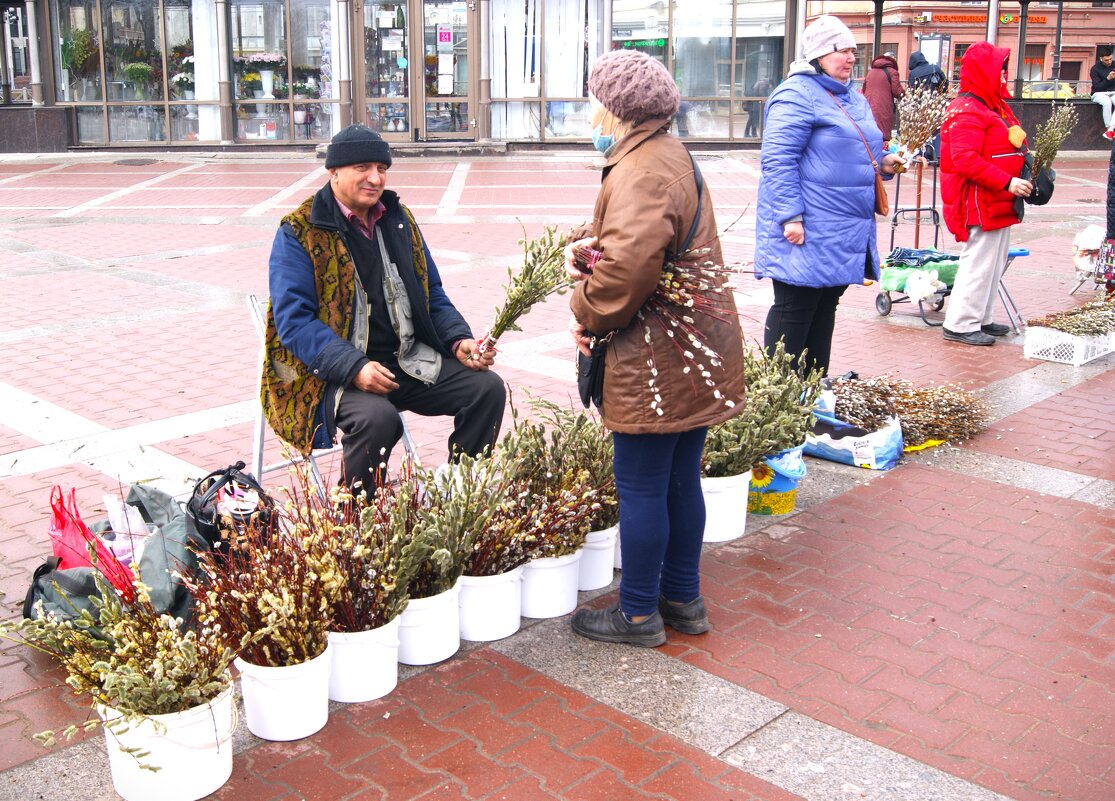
882,87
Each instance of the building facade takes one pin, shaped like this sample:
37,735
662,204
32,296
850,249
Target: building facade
281,72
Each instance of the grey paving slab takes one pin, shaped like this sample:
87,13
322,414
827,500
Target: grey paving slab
820,763
705,711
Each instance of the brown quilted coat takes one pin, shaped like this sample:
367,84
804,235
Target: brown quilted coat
647,201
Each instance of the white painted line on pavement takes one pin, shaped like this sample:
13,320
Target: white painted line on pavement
100,201
282,196
451,198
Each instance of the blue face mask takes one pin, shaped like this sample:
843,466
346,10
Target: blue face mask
601,141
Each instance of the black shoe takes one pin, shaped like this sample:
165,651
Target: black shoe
969,338
690,618
611,625
995,329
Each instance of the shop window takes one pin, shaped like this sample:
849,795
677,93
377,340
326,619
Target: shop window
77,56
641,25
702,48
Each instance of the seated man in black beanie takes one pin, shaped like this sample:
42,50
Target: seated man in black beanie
359,325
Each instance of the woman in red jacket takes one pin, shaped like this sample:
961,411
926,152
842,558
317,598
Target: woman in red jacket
982,153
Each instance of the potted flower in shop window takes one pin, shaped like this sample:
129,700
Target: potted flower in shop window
139,74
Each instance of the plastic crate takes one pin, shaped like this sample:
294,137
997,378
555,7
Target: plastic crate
1057,346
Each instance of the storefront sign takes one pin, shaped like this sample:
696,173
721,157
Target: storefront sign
1005,19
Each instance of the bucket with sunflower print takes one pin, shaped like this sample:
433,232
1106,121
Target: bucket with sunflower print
774,483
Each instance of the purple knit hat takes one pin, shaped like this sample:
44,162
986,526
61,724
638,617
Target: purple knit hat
633,86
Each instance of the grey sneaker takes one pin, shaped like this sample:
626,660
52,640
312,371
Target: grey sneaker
610,625
690,618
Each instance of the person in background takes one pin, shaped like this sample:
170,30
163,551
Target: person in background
925,75
815,223
658,414
359,325
1103,89
882,88
982,154
754,108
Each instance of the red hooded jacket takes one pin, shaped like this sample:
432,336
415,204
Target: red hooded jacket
977,157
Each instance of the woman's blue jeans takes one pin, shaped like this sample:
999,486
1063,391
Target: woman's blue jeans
661,517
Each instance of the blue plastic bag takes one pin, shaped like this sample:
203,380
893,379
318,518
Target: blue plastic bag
838,441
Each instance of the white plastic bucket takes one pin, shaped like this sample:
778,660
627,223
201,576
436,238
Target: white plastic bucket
725,506
430,628
490,606
365,663
193,754
598,560
289,702
550,585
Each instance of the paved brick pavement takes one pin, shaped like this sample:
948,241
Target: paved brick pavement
940,631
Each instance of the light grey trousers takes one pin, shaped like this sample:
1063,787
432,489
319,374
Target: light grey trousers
982,262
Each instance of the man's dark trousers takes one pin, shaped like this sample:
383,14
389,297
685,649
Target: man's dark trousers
371,425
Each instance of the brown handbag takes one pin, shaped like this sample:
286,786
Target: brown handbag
882,202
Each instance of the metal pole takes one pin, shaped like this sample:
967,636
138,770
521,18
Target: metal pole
484,111
878,41
1020,58
1057,48
992,20
33,53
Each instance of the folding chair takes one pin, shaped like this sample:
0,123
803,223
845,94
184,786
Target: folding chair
259,317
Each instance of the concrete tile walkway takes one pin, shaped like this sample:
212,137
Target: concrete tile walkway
940,631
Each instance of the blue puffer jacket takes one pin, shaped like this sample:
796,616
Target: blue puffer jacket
815,168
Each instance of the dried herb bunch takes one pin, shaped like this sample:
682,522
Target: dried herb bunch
921,113
587,443
281,582
542,274
455,506
941,413
372,562
129,657
551,497
688,286
1051,134
777,414
1094,318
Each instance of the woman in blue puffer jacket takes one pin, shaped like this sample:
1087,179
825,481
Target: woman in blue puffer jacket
815,226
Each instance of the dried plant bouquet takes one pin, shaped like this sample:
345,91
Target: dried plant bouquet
276,586
921,113
1094,318
541,275
130,658
776,414
1051,134
933,414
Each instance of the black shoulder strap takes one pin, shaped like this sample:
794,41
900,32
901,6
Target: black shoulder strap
696,217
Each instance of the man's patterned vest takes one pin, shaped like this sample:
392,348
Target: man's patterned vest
290,394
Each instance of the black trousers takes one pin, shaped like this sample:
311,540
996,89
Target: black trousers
371,424
804,317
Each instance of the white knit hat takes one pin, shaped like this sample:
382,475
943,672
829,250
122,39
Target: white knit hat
825,35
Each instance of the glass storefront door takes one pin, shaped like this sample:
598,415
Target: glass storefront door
414,74
15,69
445,77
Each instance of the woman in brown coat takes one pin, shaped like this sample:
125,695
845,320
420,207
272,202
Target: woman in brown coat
661,392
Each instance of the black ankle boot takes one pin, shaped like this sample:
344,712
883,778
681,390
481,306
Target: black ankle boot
690,618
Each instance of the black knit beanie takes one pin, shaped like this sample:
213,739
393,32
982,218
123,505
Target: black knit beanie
357,144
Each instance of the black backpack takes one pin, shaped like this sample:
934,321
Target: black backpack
225,504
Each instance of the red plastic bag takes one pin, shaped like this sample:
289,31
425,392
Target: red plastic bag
69,537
